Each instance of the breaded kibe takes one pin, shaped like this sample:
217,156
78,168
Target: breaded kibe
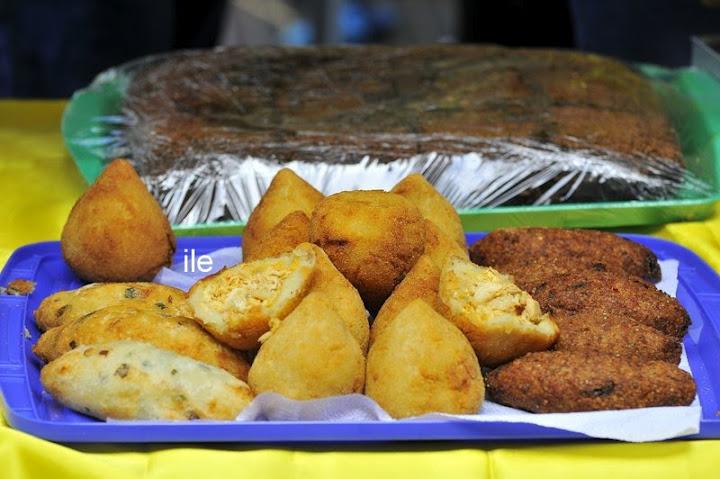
66,306
287,193
310,354
432,205
549,382
422,282
372,237
342,296
136,380
422,364
282,238
616,336
510,249
609,294
237,304
501,321
439,246
174,333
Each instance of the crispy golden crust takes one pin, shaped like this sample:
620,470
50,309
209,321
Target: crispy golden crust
439,246
117,231
615,336
549,382
311,354
237,304
282,238
372,237
66,306
512,249
287,193
501,321
422,282
134,380
422,364
432,205
342,296
180,335
608,294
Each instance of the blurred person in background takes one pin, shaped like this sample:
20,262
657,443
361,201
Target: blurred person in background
50,48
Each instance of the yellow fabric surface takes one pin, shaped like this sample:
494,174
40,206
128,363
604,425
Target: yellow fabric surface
39,184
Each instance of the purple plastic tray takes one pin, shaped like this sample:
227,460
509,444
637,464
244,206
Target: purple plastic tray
28,408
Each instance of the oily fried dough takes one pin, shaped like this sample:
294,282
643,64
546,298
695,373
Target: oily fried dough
287,193
372,237
422,364
174,333
501,321
341,296
237,304
135,380
310,354
422,282
117,231
282,238
66,306
432,205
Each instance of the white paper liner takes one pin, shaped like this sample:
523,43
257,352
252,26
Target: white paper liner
631,425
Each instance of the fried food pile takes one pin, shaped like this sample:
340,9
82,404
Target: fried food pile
620,337
374,292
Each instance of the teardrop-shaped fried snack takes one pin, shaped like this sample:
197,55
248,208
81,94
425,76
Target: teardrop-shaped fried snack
342,296
174,333
432,205
237,304
512,249
549,382
282,238
287,193
310,354
422,364
66,306
117,231
501,321
135,380
617,336
372,237
439,246
422,282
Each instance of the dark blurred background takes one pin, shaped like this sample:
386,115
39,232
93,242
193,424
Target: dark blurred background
50,48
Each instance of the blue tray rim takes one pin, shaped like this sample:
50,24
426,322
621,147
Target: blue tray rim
309,431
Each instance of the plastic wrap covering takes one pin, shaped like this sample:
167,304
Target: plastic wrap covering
488,126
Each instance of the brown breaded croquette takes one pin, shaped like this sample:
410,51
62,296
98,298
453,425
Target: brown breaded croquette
616,336
287,193
611,294
580,249
549,382
282,238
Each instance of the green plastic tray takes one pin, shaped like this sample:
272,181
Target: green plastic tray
697,122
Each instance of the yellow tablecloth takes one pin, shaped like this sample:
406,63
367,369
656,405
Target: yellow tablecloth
38,186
